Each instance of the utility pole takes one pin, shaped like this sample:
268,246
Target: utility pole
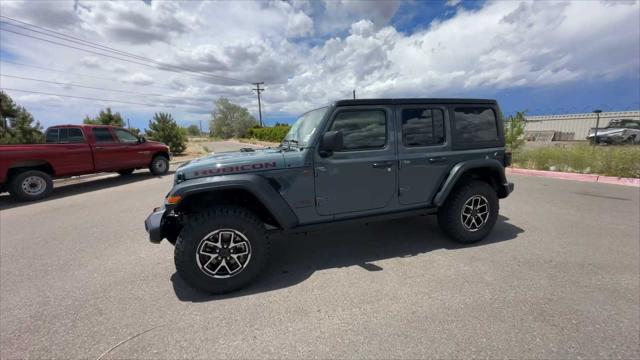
259,90
200,127
354,94
128,124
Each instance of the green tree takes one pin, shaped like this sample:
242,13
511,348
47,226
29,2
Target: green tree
193,130
164,129
17,126
230,120
105,117
514,131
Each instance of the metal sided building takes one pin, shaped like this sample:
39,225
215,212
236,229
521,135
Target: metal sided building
576,124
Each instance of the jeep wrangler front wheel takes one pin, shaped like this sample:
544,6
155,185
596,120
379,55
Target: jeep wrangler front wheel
470,212
221,250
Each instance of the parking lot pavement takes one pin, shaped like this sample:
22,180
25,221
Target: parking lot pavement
557,278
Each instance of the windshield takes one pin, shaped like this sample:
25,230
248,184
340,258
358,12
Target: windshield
621,124
302,130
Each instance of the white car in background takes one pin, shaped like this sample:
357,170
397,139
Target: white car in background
619,131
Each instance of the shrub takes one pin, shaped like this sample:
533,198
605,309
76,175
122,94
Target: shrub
164,129
273,133
514,131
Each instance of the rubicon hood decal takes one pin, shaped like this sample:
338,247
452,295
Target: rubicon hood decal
235,169
233,163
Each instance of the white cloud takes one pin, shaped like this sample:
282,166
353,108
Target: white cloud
309,53
453,3
299,24
138,79
90,62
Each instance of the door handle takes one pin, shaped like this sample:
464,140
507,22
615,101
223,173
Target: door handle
99,148
382,165
437,159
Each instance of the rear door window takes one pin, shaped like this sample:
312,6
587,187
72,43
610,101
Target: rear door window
71,135
422,126
102,135
475,124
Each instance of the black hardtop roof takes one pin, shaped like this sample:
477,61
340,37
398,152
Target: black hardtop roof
403,101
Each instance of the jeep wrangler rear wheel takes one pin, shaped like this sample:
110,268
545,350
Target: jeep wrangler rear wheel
221,250
470,212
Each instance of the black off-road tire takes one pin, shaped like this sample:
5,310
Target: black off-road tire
450,215
126,172
159,165
40,178
196,229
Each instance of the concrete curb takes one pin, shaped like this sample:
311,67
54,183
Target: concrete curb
576,177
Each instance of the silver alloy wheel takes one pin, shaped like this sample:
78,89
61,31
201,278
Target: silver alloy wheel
223,253
33,185
475,213
160,165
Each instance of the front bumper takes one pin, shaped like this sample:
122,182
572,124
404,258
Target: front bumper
153,225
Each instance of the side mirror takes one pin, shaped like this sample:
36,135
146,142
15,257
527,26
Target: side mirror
331,141
141,139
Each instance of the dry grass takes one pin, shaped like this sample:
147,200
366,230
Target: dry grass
194,150
621,161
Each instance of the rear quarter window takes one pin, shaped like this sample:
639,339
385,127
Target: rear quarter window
475,125
52,136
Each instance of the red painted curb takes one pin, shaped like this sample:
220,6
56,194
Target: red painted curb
576,177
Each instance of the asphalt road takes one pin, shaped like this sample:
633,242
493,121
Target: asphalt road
223,146
558,278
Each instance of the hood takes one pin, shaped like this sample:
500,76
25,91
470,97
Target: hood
231,163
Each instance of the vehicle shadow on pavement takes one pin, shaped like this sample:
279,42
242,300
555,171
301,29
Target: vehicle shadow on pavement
296,257
83,186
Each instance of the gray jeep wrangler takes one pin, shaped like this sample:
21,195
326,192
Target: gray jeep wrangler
351,160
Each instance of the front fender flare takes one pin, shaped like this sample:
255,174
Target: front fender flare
257,185
458,171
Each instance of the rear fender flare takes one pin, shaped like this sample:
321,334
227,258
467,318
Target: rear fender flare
458,171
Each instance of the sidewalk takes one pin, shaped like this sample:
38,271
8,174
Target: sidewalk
576,177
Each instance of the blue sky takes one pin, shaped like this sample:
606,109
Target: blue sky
545,57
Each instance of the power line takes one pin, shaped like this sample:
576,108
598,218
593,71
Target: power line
56,70
80,97
65,35
156,64
75,47
94,87
110,49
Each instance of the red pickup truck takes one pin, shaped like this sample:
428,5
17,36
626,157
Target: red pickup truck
26,171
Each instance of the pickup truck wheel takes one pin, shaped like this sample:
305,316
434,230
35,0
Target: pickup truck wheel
159,165
125,172
470,212
31,185
221,250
